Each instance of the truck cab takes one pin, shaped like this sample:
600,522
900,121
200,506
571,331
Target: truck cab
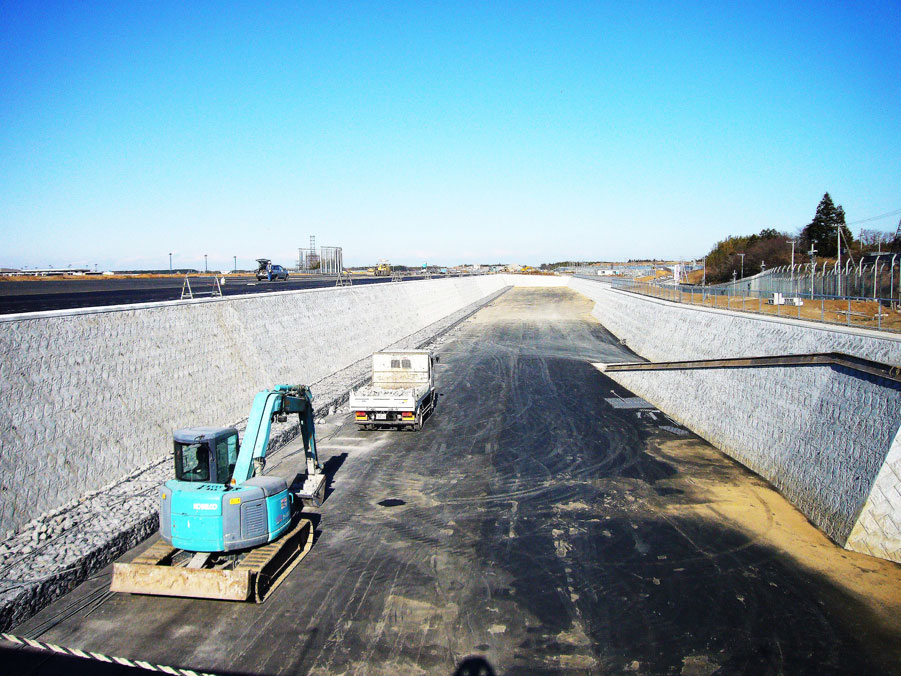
401,394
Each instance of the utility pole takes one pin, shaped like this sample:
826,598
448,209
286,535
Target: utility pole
733,278
205,268
235,268
813,258
742,265
792,242
838,241
704,281
170,261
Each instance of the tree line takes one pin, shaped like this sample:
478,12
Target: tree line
772,248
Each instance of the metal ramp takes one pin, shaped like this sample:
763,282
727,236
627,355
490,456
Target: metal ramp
344,279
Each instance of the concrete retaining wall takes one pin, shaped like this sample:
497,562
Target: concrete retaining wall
88,396
821,435
660,330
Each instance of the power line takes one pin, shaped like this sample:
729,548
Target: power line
875,218
872,218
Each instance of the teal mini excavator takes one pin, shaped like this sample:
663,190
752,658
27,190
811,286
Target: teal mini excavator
227,530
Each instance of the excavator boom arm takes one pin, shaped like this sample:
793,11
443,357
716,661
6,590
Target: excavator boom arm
268,404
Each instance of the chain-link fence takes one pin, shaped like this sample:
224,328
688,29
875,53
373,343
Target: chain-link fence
880,313
874,278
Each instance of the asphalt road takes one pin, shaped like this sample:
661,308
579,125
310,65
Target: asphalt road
63,294
542,521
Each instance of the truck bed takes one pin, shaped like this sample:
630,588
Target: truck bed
401,393
416,391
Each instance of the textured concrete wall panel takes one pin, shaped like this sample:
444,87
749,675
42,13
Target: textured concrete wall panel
89,396
821,435
878,528
682,331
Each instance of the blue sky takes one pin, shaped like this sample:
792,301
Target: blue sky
440,132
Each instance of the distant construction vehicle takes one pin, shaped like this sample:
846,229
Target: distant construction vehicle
228,531
383,269
402,393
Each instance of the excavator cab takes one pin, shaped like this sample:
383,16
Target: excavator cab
205,454
202,511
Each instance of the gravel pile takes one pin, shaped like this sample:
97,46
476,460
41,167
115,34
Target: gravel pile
55,552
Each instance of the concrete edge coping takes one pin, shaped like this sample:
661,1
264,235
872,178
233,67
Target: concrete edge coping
801,323
832,359
104,309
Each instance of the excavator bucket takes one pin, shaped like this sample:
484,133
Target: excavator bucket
163,570
312,493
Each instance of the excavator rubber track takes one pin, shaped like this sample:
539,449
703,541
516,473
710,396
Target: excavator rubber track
254,577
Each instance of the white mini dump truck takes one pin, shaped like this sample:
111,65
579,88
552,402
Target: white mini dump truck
402,393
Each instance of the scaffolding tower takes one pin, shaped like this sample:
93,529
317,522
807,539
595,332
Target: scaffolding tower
331,260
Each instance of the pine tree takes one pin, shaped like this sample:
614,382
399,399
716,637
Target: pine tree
822,229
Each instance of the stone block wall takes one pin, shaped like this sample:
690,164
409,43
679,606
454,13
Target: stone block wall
88,396
826,437
661,330
878,528
820,435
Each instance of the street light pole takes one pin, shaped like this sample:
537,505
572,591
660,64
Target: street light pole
205,268
235,268
742,266
170,261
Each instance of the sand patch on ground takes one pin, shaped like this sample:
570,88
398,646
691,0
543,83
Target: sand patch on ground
718,489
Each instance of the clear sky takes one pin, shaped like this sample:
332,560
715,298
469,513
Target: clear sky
441,132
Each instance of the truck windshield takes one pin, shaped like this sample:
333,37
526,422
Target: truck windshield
192,462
